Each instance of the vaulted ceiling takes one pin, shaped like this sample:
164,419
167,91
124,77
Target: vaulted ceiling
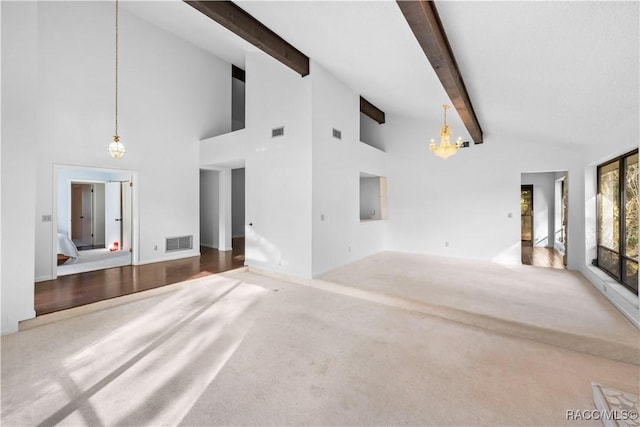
546,72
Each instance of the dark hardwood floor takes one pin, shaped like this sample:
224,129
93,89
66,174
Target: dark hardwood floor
85,288
541,257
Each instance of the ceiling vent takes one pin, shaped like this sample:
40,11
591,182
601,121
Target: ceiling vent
181,243
337,134
277,132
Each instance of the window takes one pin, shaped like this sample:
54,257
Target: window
618,219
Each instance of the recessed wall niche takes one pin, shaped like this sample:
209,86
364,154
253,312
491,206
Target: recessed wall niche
373,197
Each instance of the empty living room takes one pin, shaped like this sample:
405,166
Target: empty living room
333,213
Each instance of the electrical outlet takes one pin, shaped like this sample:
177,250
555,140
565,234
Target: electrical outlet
446,244
46,218
321,217
155,248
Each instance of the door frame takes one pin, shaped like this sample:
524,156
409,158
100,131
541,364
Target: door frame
564,215
135,232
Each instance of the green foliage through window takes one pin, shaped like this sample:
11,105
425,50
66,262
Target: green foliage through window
618,219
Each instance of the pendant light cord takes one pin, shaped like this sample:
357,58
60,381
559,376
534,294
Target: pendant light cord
116,68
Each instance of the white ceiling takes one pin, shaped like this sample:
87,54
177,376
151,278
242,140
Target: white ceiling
548,72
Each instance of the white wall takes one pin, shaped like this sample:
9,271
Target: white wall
209,193
277,170
237,202
471,200
237,104
338,235
370,132
172,94
19,96
543,206
305,213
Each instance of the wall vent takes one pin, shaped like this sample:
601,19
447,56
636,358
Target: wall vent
181,243
337,134
277,132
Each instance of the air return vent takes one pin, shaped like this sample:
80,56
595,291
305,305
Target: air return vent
337,134
277,132
181,243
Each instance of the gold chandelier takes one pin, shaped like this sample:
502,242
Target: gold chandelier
445,149
116,148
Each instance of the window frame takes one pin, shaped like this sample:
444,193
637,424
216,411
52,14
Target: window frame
622,241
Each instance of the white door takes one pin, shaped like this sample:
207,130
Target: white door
113,214
81,214
126,216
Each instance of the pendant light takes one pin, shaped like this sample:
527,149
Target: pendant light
116,148
445,149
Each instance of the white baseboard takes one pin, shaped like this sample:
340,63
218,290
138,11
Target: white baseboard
170,257
621,298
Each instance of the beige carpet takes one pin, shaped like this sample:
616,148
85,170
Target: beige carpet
553,306
245,349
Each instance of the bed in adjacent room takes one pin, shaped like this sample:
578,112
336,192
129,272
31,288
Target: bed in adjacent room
66,249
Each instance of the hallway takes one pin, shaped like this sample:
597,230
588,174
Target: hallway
541,257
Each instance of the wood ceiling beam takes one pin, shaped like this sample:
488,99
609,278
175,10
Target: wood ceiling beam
236,20
423,19
371,110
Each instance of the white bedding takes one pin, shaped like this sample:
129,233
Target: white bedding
66,247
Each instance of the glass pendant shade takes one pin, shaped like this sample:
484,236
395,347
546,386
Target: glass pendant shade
116,148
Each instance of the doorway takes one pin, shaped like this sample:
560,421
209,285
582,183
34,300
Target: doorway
222,212
87,215
94,220
82,215
544,219
526,215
